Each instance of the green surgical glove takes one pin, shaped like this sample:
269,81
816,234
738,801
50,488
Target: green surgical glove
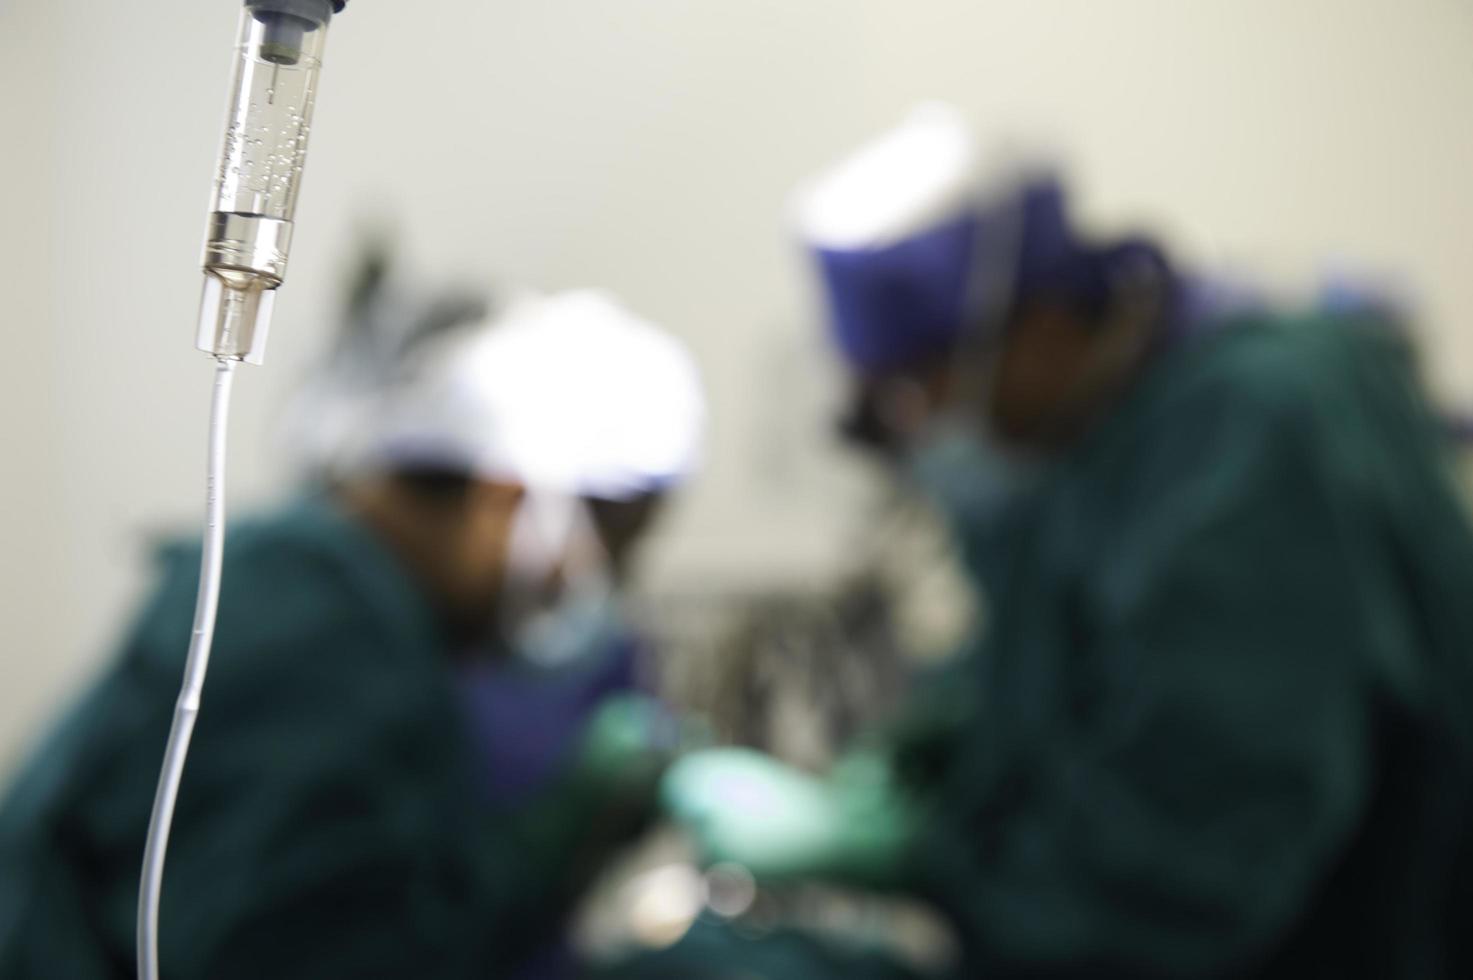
629,737
606,798
779,823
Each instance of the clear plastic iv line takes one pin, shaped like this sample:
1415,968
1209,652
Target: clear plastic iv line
187,707
278,57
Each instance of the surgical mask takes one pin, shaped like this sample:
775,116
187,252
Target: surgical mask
558,600
969,476
570,631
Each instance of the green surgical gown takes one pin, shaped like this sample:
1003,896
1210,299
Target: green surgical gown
1218,723
329,823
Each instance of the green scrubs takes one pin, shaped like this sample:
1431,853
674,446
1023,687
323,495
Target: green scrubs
329,823
1219,721
1220,718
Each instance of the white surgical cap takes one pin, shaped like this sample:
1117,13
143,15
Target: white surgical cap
919,174
569,393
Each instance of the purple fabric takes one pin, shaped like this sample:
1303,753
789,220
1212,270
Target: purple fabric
1051,259
895,306
526,720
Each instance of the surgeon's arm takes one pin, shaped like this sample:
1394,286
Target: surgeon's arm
603,798
316,838
1181,824
856,826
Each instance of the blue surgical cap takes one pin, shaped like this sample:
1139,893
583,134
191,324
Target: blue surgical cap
913,253
902,303
905,302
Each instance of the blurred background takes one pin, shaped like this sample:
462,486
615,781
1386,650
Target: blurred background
648,147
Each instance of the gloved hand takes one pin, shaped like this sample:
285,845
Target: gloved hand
606,796
626,735
780,823
625,748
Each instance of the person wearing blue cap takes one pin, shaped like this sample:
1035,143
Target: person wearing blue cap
1217,720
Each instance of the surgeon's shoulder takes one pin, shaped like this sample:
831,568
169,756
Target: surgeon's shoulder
1286,372
298,534
299,573
264,548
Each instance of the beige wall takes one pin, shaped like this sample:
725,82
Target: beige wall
646,146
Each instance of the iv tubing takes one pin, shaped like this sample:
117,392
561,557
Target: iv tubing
187,707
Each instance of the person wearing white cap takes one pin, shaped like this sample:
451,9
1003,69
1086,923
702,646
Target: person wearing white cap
569,397
1216,722
342,816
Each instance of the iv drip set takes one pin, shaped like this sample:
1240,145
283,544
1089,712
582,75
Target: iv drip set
278,59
